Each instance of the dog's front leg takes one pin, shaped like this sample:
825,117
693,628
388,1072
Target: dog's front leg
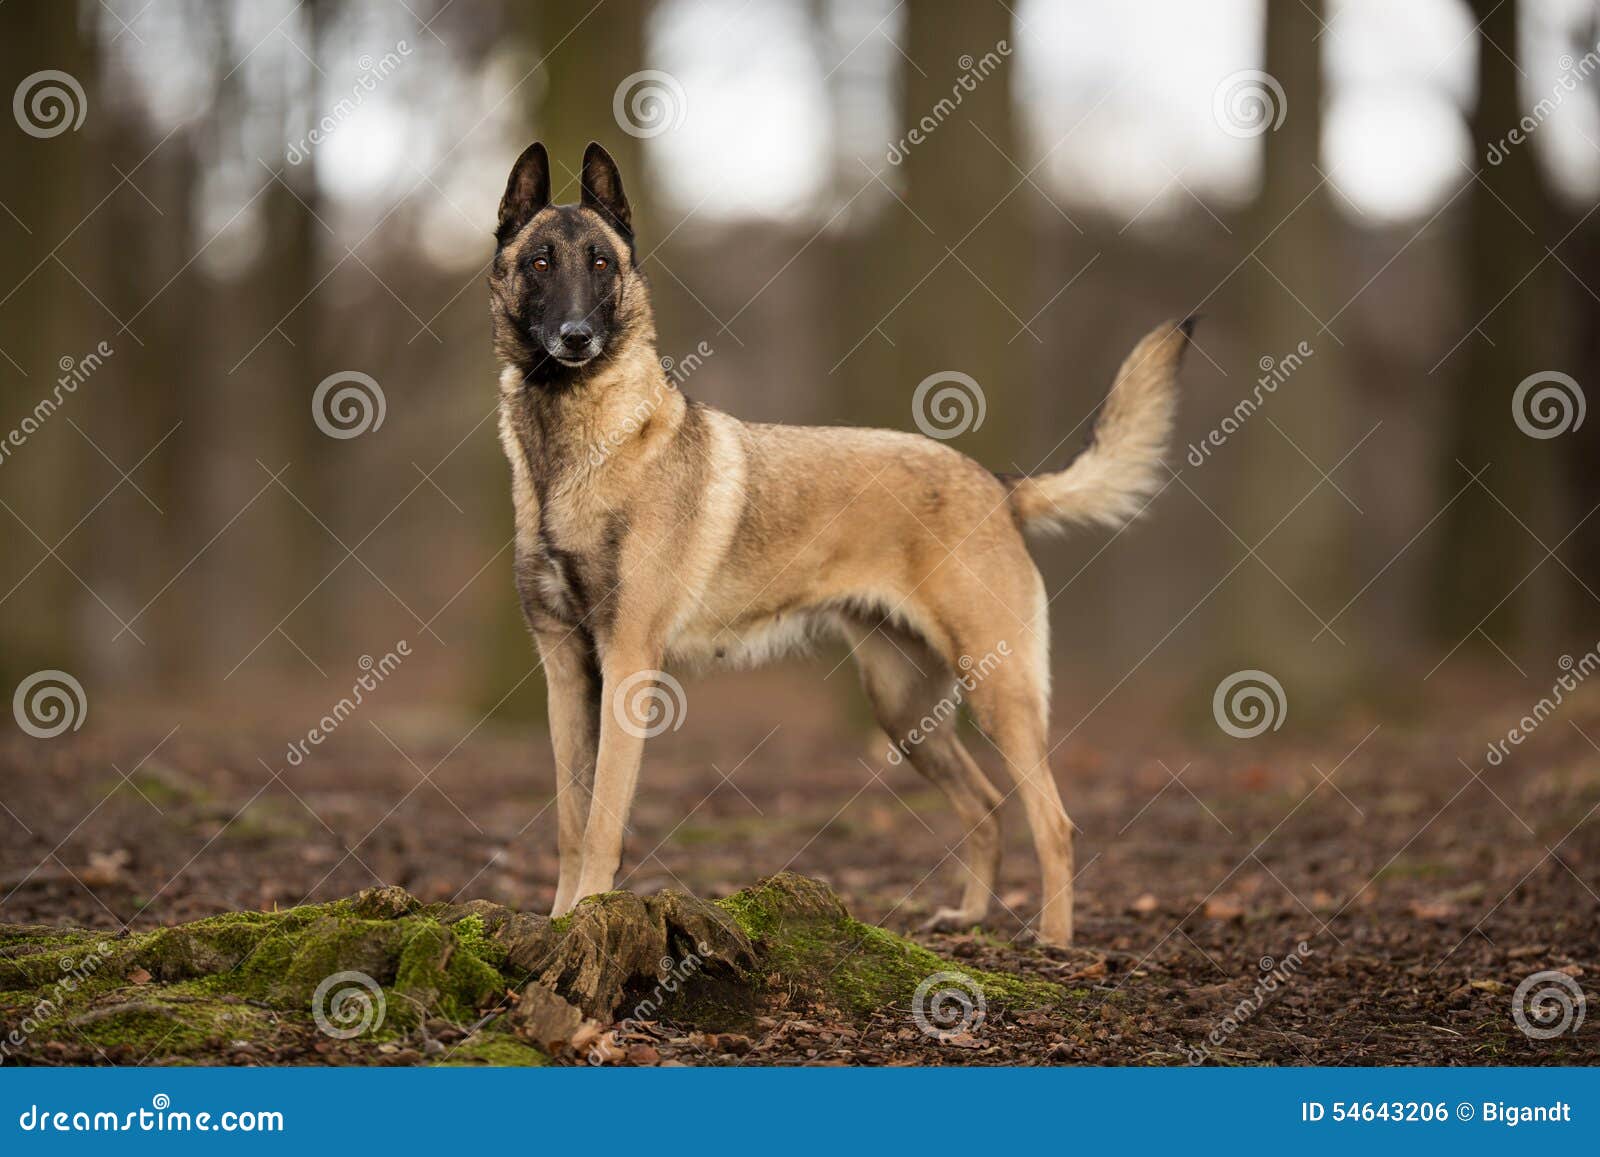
625,721
573,676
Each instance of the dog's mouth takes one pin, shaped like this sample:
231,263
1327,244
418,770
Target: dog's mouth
573,358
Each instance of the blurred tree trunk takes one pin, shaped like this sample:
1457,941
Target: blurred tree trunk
143,245
299,359
962,233
1295,290
583,57
44,318
1482,553
1582,446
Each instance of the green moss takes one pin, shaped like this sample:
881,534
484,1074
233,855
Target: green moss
253,976
804,934
158,784
160,1028
437,973
496,1049
268,819
242,975
47,962
473,936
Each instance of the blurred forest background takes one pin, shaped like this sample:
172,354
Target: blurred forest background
261,195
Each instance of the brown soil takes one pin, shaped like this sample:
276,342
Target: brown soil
1423,893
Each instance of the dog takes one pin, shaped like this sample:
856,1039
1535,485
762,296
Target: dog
652,530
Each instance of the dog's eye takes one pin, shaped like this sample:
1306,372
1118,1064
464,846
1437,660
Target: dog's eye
600,263
542,264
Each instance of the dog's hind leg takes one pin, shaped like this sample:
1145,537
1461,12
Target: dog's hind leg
909,685
1009,707
574,689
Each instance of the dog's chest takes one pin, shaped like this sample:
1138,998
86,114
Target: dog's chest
567,563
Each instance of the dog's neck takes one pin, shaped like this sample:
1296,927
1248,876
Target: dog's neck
581,427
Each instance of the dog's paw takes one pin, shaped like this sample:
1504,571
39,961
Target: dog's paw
951,920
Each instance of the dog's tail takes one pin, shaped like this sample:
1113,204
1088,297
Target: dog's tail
1120,466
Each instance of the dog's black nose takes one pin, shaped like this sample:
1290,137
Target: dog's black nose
576,335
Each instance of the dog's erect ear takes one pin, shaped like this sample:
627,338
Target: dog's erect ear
602,189
527,191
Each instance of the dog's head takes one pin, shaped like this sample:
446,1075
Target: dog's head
564,293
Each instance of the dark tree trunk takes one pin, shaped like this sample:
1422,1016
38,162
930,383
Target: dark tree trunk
1482,553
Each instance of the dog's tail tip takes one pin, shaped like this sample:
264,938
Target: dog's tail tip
1122,466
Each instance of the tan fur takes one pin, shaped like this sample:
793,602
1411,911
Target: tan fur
1110,482
698,538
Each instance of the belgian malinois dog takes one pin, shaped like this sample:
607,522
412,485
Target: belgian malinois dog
652,529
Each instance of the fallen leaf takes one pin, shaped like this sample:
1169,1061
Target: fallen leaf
643,1055
1224,908
105,868
1433,910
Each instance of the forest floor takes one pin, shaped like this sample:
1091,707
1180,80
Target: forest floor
1373,897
